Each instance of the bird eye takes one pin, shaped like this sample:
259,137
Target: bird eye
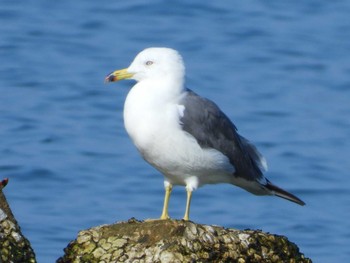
148,63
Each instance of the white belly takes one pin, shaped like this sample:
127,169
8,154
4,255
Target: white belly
157,134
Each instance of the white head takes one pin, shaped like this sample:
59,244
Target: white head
157,63
152,63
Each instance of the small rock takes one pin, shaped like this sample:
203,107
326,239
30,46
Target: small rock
98,252
83,237
119,243
3,215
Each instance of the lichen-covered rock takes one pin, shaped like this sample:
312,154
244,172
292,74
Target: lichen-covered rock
14,247
178,241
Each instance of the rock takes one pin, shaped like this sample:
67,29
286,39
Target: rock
152,241
177,241
14,247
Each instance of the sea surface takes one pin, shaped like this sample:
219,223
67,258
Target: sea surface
279,69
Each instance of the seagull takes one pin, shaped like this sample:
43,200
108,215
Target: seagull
185,136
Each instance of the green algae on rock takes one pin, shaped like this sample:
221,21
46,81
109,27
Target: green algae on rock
178,241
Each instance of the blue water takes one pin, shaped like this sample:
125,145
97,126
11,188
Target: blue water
279,69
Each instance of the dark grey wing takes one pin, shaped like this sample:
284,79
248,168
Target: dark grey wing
211,128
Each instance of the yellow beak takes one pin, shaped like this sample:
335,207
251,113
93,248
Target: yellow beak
118,75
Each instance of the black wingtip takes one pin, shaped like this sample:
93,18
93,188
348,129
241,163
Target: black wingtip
283,194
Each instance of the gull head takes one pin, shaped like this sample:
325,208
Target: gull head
152,63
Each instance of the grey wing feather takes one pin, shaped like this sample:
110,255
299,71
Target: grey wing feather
257,157
211,128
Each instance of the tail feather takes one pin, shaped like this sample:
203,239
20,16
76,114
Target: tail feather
283,193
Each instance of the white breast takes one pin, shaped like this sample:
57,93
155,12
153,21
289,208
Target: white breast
152,120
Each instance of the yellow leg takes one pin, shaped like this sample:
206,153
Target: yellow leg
165,214
188,204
